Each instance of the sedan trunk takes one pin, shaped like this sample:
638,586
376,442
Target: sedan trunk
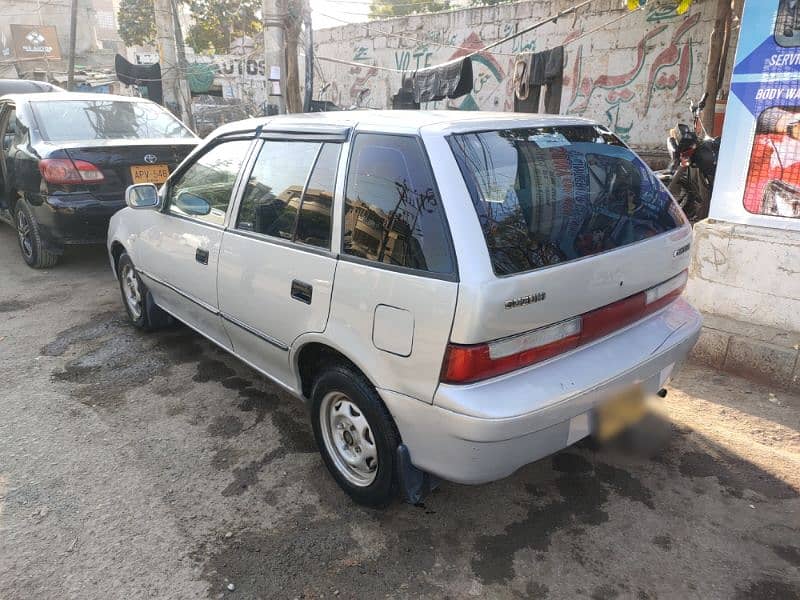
125,162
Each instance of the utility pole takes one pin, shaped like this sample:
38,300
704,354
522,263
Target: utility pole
308,96
186,93
717,60
274,15
177,97
294,103
73,30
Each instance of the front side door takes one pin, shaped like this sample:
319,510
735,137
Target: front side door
178,248
275,267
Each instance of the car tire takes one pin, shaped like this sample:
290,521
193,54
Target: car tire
356,435
142,310
29,235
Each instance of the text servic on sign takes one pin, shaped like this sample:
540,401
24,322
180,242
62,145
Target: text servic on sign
35,41
758,173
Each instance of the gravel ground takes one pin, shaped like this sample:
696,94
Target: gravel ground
136,465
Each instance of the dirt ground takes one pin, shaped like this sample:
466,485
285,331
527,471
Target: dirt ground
136,465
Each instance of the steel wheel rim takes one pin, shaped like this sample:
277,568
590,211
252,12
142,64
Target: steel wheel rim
348,439
131,291
24,232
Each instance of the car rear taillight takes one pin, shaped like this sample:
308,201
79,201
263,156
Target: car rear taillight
66,171
666,292
471,363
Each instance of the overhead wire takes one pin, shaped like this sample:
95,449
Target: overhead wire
486,47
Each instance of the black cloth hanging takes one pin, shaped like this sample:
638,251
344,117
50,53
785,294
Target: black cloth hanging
141,75
542,68
404,99
450,80
545,66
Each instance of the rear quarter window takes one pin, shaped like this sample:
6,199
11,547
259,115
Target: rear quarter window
549,195
393,214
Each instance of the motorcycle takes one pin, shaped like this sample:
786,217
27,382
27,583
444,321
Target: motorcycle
694,153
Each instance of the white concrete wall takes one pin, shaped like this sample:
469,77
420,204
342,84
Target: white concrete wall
636,75
750,274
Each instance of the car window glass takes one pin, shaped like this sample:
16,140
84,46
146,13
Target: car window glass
103,119
314,221
272,196
9,129
204,190
20,131
392,212
548,195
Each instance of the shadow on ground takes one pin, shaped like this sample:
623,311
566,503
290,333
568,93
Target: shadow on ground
688,519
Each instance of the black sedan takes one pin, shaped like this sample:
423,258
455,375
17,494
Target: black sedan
67,158
26,86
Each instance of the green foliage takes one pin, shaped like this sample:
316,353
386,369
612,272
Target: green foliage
218,22
380,9
215,23
137,23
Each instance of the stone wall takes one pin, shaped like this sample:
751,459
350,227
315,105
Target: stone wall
635,75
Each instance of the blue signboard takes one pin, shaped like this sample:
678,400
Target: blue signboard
758,177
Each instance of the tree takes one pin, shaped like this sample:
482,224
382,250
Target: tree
137,22
218,22
380,9
215,23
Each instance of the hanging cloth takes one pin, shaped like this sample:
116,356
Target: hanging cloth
533,70
450,80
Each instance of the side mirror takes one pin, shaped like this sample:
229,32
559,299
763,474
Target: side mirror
142,195
192,204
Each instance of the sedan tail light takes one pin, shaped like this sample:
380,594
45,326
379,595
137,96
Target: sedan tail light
471,363
67,171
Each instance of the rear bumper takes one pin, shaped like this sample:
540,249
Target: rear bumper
75,218
485,431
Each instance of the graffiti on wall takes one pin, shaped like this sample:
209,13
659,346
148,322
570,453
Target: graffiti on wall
658,73
670,70
415,59
488,77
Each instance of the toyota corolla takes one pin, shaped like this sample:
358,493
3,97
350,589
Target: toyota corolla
66,160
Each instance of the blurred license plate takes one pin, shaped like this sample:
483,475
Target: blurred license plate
149,173
620,412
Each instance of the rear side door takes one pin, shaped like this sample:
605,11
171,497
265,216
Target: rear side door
396,281
178,248
276,267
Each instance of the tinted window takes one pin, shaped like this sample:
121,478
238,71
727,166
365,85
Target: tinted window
314,222
10,130
65,120
392,211
554,194
275,187
204,190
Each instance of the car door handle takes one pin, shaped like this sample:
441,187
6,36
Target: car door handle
201,256
301,291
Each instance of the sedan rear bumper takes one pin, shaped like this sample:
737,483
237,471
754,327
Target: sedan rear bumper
485,431
75,218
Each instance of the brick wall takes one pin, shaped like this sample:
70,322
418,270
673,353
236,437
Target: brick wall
635,76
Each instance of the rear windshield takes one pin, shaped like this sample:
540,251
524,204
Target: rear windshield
75,120
548,195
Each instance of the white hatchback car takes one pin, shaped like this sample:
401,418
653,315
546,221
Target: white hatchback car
454,295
